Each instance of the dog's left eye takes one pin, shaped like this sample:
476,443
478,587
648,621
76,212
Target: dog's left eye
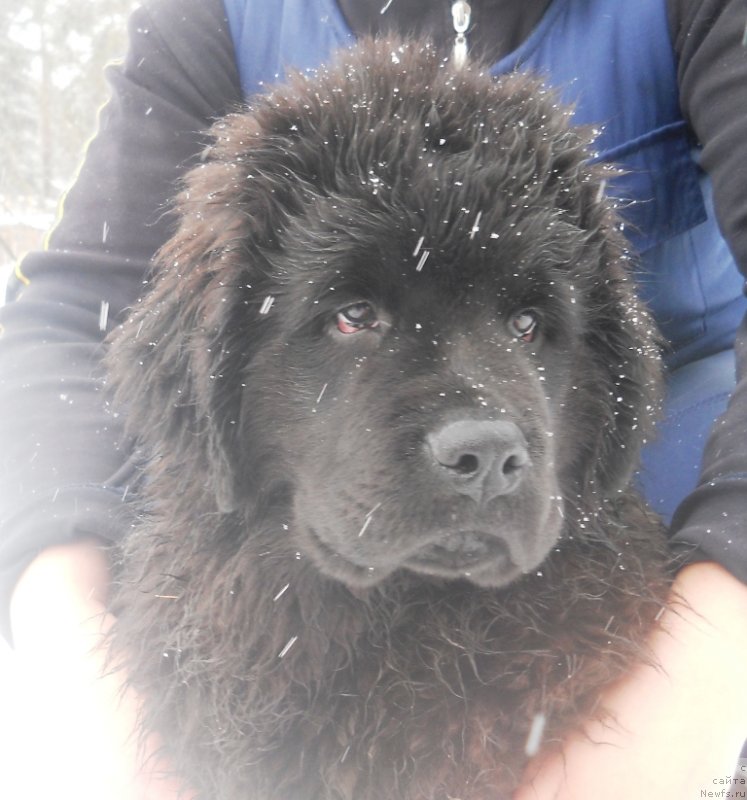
357,317
523,325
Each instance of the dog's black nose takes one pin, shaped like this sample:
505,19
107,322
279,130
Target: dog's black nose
479,458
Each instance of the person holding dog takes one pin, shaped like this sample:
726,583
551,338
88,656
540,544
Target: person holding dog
665,83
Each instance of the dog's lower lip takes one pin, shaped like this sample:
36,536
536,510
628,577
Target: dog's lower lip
460,551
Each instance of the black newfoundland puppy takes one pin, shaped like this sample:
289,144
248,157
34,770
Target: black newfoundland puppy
391,382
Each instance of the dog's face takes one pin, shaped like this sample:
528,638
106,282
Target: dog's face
396,301
419,384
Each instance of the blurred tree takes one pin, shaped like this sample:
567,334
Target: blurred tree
51,82
19,156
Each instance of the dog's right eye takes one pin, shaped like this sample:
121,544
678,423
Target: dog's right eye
357,317
523,325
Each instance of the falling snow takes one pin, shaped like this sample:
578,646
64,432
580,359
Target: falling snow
365,525
476,225
280,594
287,647
423,259
267,304
103,315
534,738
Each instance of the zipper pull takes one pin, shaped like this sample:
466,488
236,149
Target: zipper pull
461,13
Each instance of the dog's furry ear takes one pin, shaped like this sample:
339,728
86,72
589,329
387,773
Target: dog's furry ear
634,389
622,371
616,382
176,362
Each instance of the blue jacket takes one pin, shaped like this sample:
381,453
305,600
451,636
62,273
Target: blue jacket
615,63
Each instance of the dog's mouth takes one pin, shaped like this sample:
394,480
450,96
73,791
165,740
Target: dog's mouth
479,557
466,554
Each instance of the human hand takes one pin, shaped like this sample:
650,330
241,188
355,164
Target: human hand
82,723
672,730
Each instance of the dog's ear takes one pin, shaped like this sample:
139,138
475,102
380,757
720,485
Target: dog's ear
622,369
617,378
176,363
634,391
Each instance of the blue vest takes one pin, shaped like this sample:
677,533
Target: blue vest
613,60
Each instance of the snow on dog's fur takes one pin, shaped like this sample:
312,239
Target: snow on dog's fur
390,381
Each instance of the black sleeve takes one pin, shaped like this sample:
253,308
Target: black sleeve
707,36
63,471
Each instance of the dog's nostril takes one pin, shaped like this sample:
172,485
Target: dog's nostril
513,464
467,464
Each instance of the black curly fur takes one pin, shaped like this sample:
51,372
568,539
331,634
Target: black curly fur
284,651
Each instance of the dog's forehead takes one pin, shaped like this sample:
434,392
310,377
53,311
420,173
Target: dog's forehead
408,264
465,198
421,241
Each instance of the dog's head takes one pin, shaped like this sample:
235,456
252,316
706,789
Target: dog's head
397,298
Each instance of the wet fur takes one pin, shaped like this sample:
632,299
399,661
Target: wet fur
279,669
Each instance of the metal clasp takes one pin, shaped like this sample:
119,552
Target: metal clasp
461,13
